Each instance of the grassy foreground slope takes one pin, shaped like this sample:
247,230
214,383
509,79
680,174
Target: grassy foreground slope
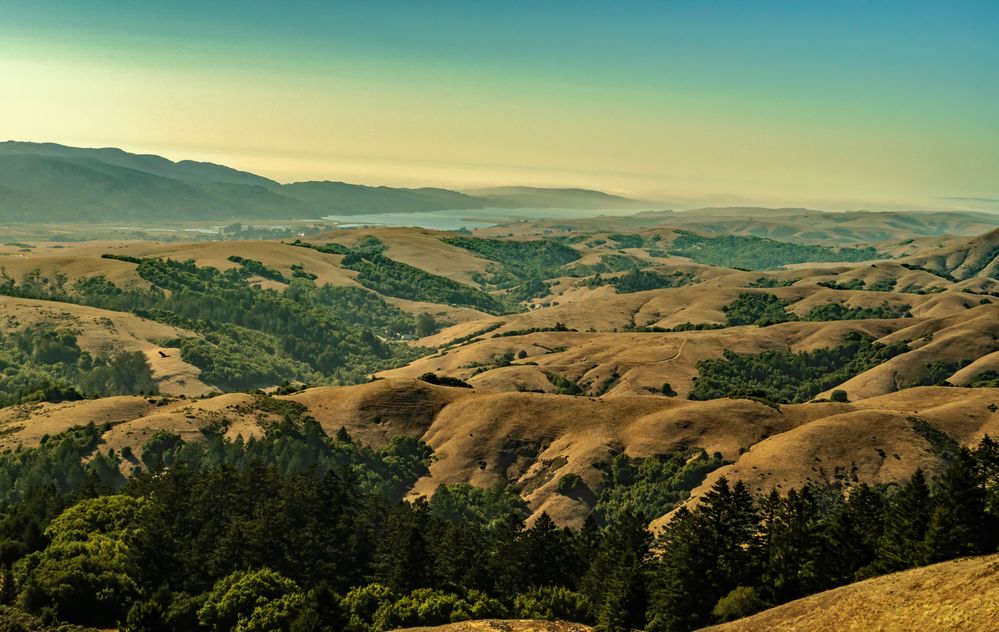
957,595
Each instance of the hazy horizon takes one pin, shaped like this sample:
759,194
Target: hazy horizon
690,104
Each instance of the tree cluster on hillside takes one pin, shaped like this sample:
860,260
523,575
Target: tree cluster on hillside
630,240
785,376
652,486
45,363
936,373
394,278
769,282
538,258
839,311
641,280
248,336
884,285
757,308
757,253
520,267
607,264
257,268
985,379
301,531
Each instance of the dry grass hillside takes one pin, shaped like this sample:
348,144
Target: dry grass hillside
504,625
960,595
963,259
531,440
516,427
616,364
878,440
905,232
102,332
946,327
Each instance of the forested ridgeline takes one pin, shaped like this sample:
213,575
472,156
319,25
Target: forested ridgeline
297,530
247,336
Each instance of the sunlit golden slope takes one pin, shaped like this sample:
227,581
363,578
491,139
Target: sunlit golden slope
504,625
964,259
960,595
532,439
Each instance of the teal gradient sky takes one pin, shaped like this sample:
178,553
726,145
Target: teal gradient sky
838,104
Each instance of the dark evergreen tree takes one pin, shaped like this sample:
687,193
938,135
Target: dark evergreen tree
957,524
401,551
907,517
705,555
796,558
680,586
614,580
852,535
549,553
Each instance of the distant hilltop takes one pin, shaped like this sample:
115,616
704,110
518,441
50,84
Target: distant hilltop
45,182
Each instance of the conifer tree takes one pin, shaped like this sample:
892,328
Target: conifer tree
906,520
705,554
614,581
679,577
852,535
795,554
958,520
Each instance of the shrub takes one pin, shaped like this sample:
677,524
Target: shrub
741,602
87,572
444,380
553,602
251,600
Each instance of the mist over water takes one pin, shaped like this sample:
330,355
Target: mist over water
468,218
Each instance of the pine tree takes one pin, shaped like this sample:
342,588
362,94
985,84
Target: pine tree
624,603
852,536
906,520
958,520
705,554
548,554
795,563
679,576
614,580
401,553
987,457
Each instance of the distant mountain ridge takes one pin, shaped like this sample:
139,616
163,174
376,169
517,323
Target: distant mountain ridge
46,182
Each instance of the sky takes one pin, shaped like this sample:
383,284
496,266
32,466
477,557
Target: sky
885,104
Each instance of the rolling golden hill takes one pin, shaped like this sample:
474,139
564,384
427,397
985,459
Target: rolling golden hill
514,427
960,595
531,440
